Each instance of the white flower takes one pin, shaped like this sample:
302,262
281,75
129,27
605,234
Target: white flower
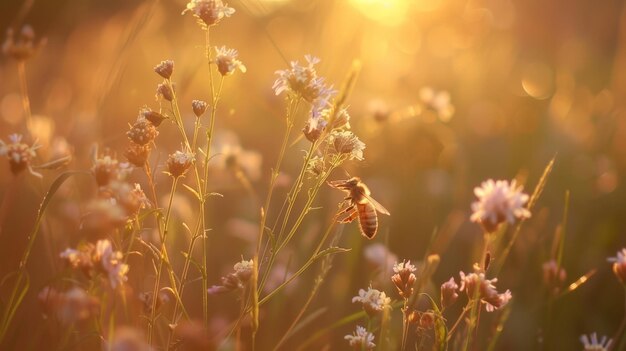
592,343
210,12
476,285
179,162
374,301
404,266
226,61
111,262
361,339
303,81
499,201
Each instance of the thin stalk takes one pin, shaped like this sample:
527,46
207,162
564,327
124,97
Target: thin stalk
405,324
155,291
619,334
458,321
21,72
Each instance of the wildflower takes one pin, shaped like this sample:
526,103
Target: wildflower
361,339
404,278
374,301
199,107
154,117
314,128
438,102
236,280
164,92
179,162
553,276
107,169
23,46
619,265
341,119
345,142
137,155
210,12
226,61
592,344
111,262
476,285
448,293
165,69
142,132
498,201
69,307
303,81
20,155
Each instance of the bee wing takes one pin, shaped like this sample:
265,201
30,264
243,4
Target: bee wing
380,208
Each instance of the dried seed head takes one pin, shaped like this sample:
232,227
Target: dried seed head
142,132
209,12
449,293
179,162
316,166
165,69
137,155
199,107
404,278
164,92
345,142
20,155
22,46
153,116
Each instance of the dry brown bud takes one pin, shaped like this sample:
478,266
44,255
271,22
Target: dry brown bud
154,117
199,107
142,132
165,69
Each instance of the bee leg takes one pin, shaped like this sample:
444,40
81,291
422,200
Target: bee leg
352,215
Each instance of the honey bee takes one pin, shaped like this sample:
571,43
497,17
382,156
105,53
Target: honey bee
359,204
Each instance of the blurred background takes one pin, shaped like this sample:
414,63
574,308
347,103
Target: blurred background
450,93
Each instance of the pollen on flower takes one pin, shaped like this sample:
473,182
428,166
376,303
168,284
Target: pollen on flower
499,201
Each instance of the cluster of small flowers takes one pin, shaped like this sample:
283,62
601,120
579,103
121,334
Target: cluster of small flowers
404,278
476,285
22,46
209,12
302,81
99,258
235,280
69,307
499,201
19,154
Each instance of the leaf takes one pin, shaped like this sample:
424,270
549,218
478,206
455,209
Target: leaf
331,251
441,330
195,193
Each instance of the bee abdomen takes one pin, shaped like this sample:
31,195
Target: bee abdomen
368,220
